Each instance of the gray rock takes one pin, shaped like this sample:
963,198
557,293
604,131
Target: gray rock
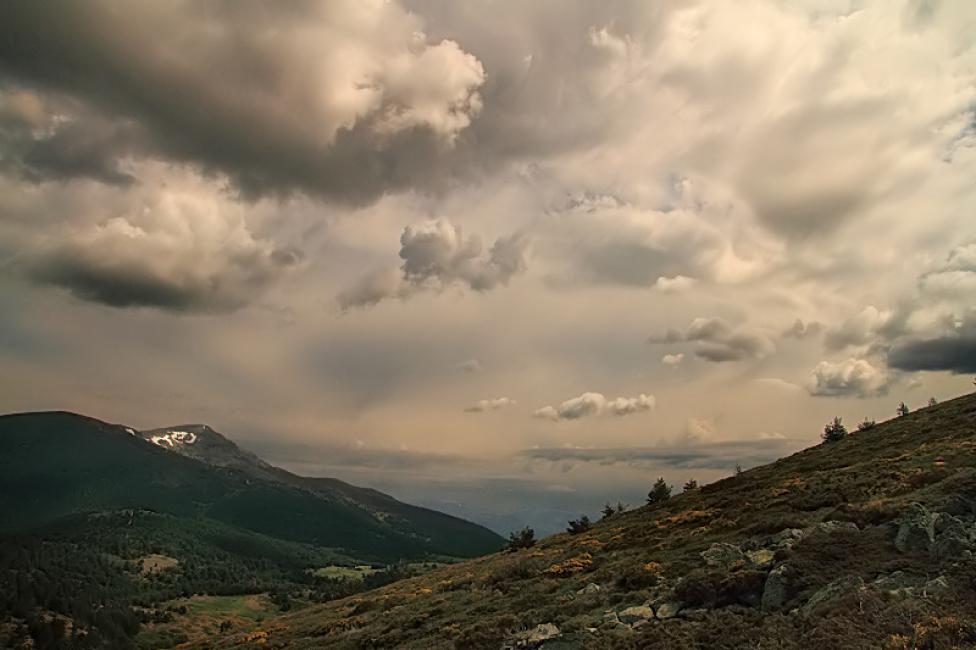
668,610
952,537
959,506
893,582
786,538
898,584
831,527
777,588
535,637
721,555
635,615
916,530
936,587
591,588
834,591
762,558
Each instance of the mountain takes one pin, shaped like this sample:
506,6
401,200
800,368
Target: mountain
54,465
864,542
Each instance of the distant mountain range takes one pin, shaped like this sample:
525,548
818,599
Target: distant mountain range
58,465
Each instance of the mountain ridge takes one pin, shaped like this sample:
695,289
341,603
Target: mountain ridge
80,478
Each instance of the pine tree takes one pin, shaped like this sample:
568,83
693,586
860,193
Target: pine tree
902,409
577,526
660,492
692,484
524,538
608,511
834,431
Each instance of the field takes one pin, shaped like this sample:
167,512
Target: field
200,617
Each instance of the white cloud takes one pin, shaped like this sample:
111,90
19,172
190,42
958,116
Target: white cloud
849,378
673,360
175,245
471,365
490,405
589,404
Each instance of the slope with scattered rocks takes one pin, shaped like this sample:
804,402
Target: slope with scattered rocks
862,543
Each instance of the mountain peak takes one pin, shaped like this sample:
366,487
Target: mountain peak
203,443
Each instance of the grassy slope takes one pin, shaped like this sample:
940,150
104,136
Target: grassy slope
868,478
55,465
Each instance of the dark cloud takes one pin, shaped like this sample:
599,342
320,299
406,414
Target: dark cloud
955,354
719,455
718,341
88,148
92,274
326,99
436,254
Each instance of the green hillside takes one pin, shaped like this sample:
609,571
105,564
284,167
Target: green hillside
867,542
54,465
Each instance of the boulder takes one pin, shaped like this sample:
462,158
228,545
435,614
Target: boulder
724,556
827,596
936,587
636,615
831,527
591,588
777,588
786,538
897,583
668,610
959,506
916,530
952,537
762,558
535,637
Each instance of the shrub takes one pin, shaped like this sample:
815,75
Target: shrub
933,401
660,492
866,424
902,409
608,510
577,526
520,539
834,431
692,484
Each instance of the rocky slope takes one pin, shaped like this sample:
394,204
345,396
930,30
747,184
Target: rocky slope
862,543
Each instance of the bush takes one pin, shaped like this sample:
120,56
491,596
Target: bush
520,539
902,409
609,510
692,484
660,492
834,431
866,424
577,526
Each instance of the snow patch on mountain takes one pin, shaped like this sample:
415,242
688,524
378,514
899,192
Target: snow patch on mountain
172,438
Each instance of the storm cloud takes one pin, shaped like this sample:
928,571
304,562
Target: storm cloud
346,100
718,341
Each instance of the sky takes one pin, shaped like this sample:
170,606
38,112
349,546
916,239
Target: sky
507,259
